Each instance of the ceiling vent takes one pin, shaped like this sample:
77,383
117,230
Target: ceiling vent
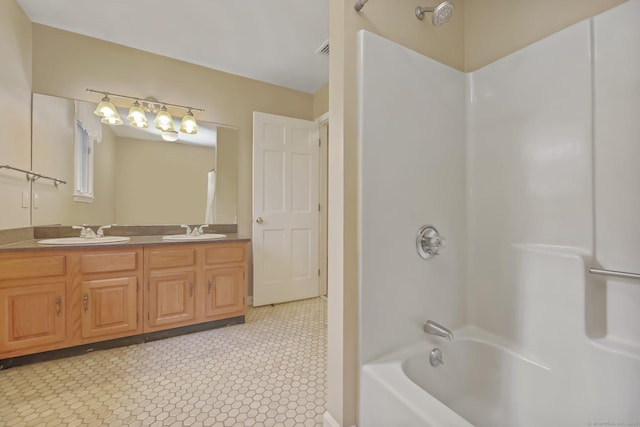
323,49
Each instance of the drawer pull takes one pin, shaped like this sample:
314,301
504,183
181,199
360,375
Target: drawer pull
85,302
59,306
190,289
209,285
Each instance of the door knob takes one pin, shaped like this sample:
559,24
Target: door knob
259,220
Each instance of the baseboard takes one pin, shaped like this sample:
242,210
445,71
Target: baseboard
250,300
329,421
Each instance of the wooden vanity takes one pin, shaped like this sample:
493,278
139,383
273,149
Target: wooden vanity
71,298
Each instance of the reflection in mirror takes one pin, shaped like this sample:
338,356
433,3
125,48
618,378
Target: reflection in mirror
138,178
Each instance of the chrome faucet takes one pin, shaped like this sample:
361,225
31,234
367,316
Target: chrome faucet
199,231
100,232
85,232
188,229
432,328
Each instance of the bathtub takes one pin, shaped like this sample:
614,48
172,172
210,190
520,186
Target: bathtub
487,382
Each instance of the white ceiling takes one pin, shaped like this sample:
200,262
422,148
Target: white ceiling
269,40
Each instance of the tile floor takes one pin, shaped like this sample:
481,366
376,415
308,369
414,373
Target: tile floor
271,371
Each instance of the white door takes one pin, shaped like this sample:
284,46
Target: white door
285,209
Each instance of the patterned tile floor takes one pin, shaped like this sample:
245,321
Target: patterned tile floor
271,371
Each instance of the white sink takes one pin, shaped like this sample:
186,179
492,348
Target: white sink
84,241
188,237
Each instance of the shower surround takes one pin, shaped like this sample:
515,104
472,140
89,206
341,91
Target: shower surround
528,167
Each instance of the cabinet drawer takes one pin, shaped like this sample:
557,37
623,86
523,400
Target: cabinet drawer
224,254
31,267
172,258
108,262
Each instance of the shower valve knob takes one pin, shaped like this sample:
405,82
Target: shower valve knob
429,242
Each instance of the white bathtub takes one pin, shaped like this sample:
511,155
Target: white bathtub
485,382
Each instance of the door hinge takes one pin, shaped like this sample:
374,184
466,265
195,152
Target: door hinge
319,142
318,207
318,272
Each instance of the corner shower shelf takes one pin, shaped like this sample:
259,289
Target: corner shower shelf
33,176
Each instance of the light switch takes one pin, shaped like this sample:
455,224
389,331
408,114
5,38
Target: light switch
36,201
25,199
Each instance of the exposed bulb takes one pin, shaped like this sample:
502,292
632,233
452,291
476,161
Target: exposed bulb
164,121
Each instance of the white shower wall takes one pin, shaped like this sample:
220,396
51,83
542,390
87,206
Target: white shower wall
530,169
529,166
617,168
412,173
553,145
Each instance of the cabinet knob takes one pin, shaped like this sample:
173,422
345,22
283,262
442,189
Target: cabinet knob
85,302
259,220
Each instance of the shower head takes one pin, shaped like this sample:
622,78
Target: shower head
441,13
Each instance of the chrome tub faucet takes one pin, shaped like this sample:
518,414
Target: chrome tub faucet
432,328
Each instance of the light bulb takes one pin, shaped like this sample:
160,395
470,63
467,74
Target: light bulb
163,120
106,108
112,120
137,117
189,124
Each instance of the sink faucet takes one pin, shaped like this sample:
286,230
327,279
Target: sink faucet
188,229
85,232
199,231
100,232
433,328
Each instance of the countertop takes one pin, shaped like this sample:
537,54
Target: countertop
33,245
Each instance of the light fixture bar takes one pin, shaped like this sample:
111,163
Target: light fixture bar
142,99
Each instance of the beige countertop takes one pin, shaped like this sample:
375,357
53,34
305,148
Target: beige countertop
33,245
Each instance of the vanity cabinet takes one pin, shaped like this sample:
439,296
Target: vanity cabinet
106,298
225,277
33,303
57,298
193,284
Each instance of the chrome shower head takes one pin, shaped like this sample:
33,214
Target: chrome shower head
441,13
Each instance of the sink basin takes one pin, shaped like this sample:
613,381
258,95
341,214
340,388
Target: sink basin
189,238
83,241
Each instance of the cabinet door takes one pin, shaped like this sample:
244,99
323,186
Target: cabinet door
171,299
109,307
32,316
225,292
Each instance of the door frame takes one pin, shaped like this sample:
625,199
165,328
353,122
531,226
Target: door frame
323,178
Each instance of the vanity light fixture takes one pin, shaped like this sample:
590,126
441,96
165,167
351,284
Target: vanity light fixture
137,117
189,124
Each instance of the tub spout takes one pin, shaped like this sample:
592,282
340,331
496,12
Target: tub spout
432,328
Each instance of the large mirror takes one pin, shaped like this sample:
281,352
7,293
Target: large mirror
129,176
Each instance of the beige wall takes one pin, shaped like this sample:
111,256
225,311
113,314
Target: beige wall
15,110
495,28
161,182
321,101
65,64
